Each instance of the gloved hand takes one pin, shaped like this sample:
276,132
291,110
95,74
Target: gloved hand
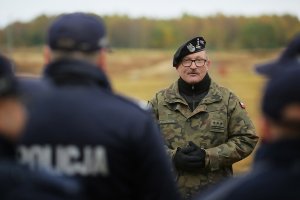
190,158
196,150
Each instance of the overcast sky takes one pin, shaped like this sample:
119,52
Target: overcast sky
25,10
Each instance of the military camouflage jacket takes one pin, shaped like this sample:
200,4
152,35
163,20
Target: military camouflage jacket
219,124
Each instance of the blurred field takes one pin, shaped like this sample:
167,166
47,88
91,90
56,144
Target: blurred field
141,73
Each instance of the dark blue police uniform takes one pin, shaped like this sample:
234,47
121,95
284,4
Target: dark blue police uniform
81,128
17,182
275,175
276,170
31,88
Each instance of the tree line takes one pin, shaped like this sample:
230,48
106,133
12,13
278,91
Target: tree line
220,31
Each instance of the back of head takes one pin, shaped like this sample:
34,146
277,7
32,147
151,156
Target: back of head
77,32
77,35
281,101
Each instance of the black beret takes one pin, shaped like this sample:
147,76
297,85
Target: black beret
8,85
192,46
281,90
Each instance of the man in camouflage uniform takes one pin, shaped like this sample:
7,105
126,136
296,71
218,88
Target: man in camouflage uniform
205,126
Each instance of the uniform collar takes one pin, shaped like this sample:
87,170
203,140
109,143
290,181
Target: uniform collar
285,151
195,89
66,72
172,94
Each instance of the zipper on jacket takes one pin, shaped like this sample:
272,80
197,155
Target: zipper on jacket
193,89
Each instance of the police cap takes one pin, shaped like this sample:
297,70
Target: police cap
77,32
290,58
8,86
192,46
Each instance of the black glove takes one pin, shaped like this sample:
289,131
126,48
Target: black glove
196,151
190,158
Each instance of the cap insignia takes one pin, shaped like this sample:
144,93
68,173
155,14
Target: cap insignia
191,47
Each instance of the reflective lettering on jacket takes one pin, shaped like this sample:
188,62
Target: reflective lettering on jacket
69,159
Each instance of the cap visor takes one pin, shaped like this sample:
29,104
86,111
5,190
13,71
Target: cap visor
267,69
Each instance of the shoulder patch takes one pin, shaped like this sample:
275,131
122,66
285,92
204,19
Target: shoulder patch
242,105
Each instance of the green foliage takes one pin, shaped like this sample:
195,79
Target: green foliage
221,32
255,34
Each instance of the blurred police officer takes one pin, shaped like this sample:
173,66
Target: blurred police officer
16,181
276,170
83,129
205,126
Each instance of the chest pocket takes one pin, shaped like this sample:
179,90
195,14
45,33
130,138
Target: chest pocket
217,128
217,118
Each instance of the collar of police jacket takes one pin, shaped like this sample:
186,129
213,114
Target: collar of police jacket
7,148
281,153
76,72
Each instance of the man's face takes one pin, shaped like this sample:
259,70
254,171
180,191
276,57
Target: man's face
12,118
197,70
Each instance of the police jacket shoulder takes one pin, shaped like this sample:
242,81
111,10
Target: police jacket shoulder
91,105
140,104
88,78
80,74
31,88
33,85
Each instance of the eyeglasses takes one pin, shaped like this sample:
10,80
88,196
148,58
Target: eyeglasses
198,62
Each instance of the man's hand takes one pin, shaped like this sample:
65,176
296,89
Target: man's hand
190,158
